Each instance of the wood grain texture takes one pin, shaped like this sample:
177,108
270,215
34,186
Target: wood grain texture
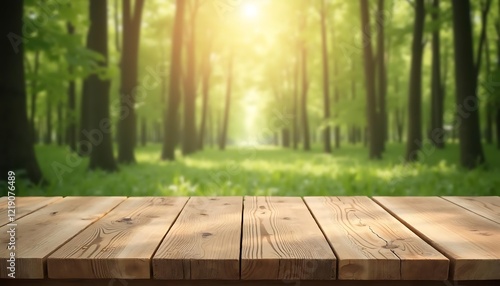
204,243
370,244
120,244
471,242
24,206
281,240
40,233
488,207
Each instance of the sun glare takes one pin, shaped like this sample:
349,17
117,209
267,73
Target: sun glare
250,11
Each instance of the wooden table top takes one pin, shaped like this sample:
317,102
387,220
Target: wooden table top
254,238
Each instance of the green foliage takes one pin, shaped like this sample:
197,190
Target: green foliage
270,171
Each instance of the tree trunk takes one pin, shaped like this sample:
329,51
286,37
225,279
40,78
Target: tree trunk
171,123
48,121
285,137
127,124
97,92
436,133
225,120
414,141
382,78
371,131
295,110
399,124
336,130
471,150
488,131
497,123
34,93
60,124
327,148
189,142
484,24
71,112
305,88
16,143
205,83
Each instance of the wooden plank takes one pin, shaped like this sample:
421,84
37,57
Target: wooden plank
370,244
468,240
23,206
488,207
281,240
119,245
40,233
204,243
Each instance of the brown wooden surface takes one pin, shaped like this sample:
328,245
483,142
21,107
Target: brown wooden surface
24,206
371,244
488,207
469,240
204,243
218,240
40,233
281,240
119,245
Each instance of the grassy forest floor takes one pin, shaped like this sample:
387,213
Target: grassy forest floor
271,171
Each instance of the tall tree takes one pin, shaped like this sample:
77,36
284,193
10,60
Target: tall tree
381,77
171,124
48,119
129,69
189,142
326,88
71,111
414,141
206,70
369,67
485,8
96,89
34,91
16,143
229,86
295,108
471,150
497,123
436,134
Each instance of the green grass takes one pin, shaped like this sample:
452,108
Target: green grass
272,171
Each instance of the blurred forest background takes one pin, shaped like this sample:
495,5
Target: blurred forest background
257,97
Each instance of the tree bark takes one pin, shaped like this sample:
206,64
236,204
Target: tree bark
482,37
436,134
127,125
71,112
414,141
34,93
171,124
371,131
48,120
189,142
60,124
225,120
97,92
471,150
16,143
382,78
327,148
